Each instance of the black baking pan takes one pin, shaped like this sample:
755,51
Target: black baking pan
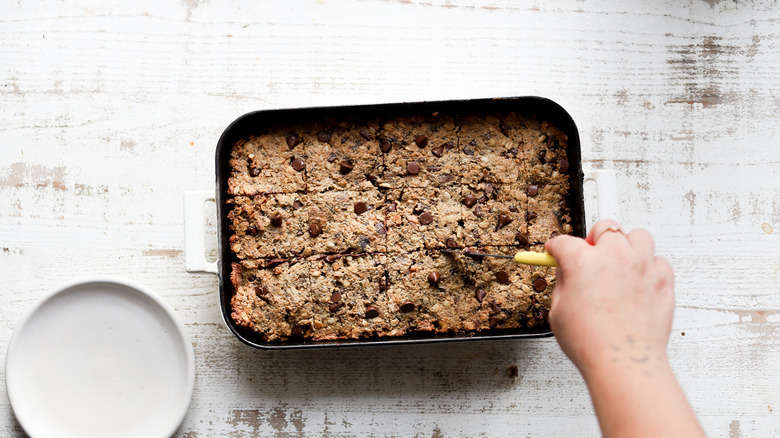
252,122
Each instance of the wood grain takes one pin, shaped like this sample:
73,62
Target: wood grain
111,111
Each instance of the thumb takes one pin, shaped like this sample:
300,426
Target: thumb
566,248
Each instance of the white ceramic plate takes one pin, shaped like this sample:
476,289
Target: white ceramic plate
100,358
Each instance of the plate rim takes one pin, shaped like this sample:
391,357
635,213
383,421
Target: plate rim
121,283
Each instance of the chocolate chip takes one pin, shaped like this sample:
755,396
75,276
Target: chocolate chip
371,312
540,284
563,165
426,218
446,178
503,220
293,140
542,157
532,190
434,278
276,219
494,308
254,171
540,314
297,204
512,208
521,239
380,229
252,230
451,243
495,320
391,207
478,212
383,284
365,134
297,330
345,167
413,168
385,145
480,295
407,307
264,337
335,297
323,136
473,142
330,258
433,168
315,229
421,141
297,164
530,215
332,157
562,204
483,199
468,151
449,145
360,207
469,200
438,152
273,262
504,129
261,291
502,277
333,307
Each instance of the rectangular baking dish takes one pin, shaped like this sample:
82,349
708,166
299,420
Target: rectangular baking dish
249,123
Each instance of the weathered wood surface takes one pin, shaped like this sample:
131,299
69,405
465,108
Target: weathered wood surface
111,111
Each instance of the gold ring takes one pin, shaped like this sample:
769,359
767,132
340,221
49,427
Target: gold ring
613,228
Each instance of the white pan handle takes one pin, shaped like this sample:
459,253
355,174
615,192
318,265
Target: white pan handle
194,238
606,193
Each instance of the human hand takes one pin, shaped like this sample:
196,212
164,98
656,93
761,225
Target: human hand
613,299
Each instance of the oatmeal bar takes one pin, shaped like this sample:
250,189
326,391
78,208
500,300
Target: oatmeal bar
420,151
268,226
343,156
424,218
270,295
495,214
273,162
548,212
490,151
510,295
350,292
346,222
425,292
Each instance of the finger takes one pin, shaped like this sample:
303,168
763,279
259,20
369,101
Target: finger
565,248
664,272
642,242
603,228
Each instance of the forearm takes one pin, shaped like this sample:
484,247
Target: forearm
635,394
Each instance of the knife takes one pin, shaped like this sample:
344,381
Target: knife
523,257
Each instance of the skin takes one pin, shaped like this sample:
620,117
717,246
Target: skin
612,314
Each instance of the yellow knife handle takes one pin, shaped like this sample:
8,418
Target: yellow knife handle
535,258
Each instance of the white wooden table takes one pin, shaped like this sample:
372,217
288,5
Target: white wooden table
110,112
